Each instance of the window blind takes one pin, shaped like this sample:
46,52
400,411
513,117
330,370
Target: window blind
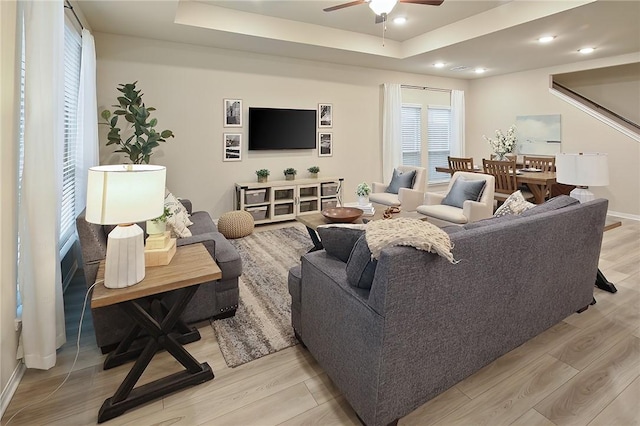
411,140
72,55
439,133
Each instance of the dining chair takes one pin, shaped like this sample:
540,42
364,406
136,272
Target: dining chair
505,176
546,164
460,164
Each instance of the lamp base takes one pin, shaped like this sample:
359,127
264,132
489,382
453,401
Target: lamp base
582,194
124,265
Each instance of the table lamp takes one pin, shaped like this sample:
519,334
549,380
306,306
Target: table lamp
582,170
123,195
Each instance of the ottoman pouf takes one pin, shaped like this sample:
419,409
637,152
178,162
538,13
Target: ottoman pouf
236,224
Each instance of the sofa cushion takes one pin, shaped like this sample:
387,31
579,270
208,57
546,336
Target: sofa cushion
338,240
179,219
400,180
555,203
385,198
361,267
515,204
463,190
202,223
443,212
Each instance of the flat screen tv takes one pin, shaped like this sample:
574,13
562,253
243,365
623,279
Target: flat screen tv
278,128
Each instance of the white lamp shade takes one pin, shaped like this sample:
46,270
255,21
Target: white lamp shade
584,169
126,193
382,6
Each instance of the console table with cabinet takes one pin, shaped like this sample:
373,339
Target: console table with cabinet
280,200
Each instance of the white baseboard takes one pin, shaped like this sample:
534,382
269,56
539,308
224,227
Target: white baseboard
624,215
12,385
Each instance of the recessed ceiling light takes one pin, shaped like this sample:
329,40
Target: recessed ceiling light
400,20
586,50
546,39
479,70
439,64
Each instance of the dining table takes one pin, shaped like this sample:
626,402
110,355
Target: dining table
539,183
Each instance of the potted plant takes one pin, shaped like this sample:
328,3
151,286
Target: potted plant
263,174
362,191
313,171
290,173
159,224
138,146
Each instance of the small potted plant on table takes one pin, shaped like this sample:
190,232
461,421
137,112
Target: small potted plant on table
159,224
313,171
262,174
290,173
362,191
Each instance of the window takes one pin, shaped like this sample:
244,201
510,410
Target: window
411,123
72,56
438,139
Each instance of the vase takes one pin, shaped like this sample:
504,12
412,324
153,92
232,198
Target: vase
289,177
155,227
363,200
500,157
262,179
313,175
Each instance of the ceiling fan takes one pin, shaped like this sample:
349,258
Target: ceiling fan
382,7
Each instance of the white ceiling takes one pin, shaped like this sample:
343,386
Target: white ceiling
499,36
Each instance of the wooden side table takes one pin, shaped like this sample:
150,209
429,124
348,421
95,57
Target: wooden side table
191,266
601,281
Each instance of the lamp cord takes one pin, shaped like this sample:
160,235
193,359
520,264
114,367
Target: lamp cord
84,305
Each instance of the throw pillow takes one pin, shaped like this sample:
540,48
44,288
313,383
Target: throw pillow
463,190
179,219
361,267
338,240
514,205
555,203
400,180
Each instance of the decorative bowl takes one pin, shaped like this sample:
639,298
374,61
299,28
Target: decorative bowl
342,214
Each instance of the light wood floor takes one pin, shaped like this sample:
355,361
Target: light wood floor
583,371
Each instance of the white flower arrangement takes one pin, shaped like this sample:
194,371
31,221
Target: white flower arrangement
363,190
503,144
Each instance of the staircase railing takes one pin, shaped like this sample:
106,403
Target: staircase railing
604,114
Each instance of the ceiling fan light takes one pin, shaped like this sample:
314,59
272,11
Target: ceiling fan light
382,6
586,50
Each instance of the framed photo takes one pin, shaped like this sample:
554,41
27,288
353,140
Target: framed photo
325,144
232,147
325,115
232,113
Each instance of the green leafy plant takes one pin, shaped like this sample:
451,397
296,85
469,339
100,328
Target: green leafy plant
290,171
165,214
313,169
262,173
139,146
363,190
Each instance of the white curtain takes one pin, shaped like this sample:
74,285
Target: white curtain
391,130
457,123
39,273
87,135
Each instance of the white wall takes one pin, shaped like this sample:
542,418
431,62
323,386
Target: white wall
187,84
8,197
494,102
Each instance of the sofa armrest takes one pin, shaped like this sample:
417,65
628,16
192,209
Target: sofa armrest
187,204
433,198
410,199
206,239
222,251
378,187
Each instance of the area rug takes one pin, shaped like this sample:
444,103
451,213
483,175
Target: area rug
262,324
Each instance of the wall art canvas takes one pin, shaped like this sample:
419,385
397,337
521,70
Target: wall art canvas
325,145
232,113
232,147
325,115
538,134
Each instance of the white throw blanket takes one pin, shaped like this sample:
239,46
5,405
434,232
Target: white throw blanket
408,232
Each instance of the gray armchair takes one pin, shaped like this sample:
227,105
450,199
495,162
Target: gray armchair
216,299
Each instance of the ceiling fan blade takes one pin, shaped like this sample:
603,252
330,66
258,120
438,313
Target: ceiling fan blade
342,6
426,2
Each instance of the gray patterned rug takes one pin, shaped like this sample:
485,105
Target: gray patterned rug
262,324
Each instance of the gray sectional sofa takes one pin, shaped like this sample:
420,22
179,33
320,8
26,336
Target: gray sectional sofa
425,324
215,299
